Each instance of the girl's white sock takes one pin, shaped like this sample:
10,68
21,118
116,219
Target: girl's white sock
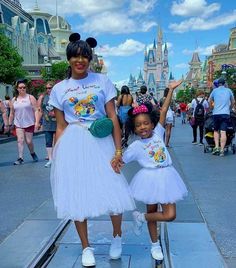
141,217
156,243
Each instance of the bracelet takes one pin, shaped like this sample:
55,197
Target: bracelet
118,152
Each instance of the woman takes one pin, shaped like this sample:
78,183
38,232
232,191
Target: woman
124,103
24,112
84,185
143,97
49,121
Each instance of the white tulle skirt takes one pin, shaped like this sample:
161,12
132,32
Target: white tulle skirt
83,182
158,185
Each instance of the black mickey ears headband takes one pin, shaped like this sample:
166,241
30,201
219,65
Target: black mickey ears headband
76,37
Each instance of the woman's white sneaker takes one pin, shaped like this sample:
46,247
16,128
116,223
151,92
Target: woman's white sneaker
156,251
48,164
115,248
88,257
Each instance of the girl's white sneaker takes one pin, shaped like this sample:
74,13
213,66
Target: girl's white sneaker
137,222
156,251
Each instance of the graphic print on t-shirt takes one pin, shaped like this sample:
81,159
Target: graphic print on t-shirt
156,151
84,107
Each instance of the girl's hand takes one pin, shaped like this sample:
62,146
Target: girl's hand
175,84
117,163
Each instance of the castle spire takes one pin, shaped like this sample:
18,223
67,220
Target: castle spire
36,7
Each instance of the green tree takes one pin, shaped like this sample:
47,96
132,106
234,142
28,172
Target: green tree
11,62
58,71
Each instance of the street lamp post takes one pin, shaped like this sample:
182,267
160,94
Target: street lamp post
48,67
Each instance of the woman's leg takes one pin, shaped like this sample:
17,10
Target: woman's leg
29,141
20,134
82,230
49,143
152,225
116,223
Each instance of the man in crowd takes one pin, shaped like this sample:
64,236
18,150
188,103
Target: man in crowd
221,100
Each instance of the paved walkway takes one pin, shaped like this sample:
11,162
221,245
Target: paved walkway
203,232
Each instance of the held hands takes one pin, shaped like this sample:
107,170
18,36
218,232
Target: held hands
116,161
173,85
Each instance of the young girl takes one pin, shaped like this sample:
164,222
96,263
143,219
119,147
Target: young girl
157,182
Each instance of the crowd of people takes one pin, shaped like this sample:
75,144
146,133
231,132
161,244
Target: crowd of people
67,110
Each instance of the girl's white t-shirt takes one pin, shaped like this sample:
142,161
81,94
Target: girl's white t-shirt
83,99
151,152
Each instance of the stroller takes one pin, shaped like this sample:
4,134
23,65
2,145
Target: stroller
209,133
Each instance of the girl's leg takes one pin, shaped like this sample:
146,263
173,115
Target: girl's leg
116,223
20,134
152,225
82,230
168,213
29,141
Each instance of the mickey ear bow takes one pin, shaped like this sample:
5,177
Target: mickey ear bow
92,42
74,37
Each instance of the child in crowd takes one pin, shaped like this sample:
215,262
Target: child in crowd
157,182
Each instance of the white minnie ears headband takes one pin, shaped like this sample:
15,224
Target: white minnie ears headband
92,42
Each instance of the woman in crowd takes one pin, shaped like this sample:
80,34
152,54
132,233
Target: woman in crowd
124,103
24,116
49,121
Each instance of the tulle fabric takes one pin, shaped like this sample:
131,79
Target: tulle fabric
83,182
158,185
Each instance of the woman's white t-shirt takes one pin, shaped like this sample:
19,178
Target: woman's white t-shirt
83,99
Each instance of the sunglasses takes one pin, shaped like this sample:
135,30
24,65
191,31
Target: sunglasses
48,87
22,87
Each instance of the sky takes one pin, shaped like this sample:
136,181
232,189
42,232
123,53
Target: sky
124,28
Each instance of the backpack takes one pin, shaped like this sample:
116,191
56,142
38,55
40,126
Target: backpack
199,110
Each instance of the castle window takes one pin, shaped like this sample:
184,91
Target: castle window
40,26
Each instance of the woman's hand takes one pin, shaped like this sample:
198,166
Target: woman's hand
117,163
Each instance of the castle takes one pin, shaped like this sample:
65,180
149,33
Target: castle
155,69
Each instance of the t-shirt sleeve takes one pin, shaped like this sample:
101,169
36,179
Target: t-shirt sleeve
110,91
129,154
159,130
54,99
211,97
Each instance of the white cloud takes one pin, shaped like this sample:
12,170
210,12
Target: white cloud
193,8
115,23
141,6
201,50
128,48
181,65
82,7
201,24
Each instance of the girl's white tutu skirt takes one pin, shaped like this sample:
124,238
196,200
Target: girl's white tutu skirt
83,182
158,185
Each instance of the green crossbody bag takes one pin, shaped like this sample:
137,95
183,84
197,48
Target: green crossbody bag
101,127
